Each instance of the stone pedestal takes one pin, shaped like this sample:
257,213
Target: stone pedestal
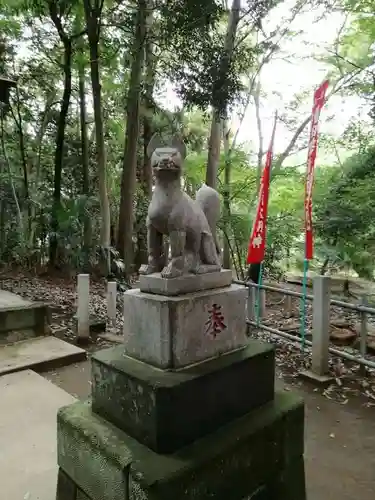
166,410
186,409
259,456
172,332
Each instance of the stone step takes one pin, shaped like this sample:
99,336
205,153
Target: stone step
29,405
39,353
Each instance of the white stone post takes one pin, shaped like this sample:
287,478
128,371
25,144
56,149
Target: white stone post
111,302
83,320
321,325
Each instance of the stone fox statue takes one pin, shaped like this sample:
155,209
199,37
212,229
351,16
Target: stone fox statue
190,224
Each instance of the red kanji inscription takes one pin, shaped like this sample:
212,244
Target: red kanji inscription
215,323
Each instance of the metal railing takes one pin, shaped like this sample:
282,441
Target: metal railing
321,300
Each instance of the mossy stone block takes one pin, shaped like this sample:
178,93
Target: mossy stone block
243,459
91,454
166,410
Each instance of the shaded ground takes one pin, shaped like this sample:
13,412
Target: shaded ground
340,439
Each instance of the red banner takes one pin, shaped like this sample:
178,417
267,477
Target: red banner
257,244
319,98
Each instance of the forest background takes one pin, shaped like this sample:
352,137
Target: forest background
97,78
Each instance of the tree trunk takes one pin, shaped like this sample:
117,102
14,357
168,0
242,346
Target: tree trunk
150,63
145,171
85,162
227,171
93,19
59,150
10,177
2,188
125,227
23,151
260,133
215,135
213,150
19,125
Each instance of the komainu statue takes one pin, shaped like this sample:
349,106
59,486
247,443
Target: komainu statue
190,224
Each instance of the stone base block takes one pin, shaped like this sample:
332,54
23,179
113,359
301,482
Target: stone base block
171,332
168,409
259,456
189,283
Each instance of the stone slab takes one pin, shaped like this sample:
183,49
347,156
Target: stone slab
168,409
9,299
172,332
235,462
28,459
39,353
188,283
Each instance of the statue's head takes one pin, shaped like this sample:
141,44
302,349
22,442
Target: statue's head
166,156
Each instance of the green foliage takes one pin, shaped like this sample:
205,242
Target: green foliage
346,214
187,40
202,72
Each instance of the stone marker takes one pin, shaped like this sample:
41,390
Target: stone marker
186,408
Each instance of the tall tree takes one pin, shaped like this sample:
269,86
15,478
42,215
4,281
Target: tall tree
85,158
148,102
126,216
93,14
56,11
226,195
219,108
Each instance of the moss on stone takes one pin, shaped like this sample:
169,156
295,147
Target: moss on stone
168,410
233,462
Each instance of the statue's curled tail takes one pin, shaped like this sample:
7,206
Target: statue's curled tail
209,200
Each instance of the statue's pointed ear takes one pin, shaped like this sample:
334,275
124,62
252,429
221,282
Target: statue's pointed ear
179,144
155,142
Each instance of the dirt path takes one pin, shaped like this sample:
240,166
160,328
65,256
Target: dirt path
340,440
340,450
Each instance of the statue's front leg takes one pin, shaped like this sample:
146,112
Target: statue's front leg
155,251
176,267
